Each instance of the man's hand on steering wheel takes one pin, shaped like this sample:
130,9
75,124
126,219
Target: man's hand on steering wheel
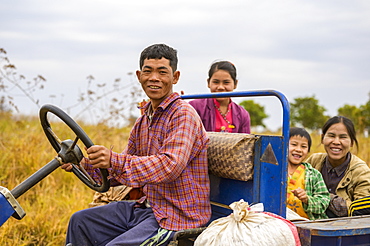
99,156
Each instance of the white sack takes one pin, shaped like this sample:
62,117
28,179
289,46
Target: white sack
245,226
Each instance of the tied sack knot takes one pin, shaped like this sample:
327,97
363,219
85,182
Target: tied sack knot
241,209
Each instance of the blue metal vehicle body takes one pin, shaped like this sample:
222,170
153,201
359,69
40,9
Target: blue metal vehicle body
269,173
9,206
339,231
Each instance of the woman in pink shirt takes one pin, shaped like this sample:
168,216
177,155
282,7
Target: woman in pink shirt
222,114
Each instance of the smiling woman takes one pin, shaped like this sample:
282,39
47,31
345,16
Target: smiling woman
346,176
222,114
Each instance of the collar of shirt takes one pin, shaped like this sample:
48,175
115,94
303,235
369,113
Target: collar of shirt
218,104
339,170
148,110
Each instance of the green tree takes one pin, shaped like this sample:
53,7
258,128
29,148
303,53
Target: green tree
365,114
256,112
354,113
307,112
360,116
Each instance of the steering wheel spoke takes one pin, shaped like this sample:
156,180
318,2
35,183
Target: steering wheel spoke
83,173
54,140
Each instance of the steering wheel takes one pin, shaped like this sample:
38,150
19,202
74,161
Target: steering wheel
68,151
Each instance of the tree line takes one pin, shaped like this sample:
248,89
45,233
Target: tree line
308,113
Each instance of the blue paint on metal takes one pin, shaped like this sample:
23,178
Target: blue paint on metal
227,191
269,181
5,208
354,240
272,178
335,231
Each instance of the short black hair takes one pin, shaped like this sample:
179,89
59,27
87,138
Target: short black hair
158,51
298,131
223,65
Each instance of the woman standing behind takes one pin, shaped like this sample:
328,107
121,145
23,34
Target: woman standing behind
222,114
346,176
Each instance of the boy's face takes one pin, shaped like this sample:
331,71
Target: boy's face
298,150
157,79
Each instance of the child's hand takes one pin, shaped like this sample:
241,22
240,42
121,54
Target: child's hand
301,195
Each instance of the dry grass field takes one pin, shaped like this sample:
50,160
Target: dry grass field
24,149
49,204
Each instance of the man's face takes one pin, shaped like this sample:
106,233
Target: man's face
157,79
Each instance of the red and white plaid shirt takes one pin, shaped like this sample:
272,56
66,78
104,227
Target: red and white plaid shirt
167,156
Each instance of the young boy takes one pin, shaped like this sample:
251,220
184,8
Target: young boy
307,194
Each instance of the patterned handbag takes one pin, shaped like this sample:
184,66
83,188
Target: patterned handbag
230,155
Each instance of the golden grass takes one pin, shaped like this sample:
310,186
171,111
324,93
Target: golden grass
24,149
49,204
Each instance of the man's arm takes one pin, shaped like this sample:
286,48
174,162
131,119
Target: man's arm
177,143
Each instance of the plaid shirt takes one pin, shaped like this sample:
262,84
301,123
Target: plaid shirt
317,193
167,156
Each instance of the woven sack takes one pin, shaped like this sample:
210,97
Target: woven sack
230,155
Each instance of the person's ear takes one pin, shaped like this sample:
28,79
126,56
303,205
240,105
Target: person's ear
322,137
235,84
176,77
138,73
208,80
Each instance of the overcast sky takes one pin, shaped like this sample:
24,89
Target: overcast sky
300,48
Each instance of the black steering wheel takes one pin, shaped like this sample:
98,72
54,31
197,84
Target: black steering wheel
68,151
